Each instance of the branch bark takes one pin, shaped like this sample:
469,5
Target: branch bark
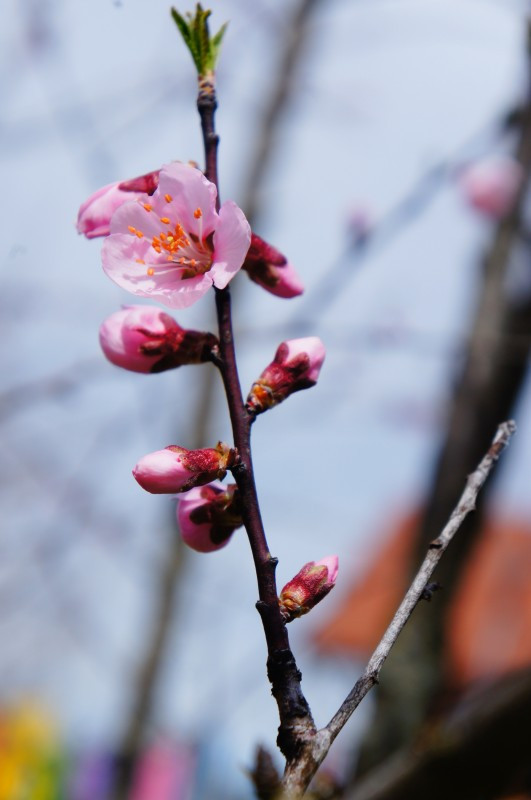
299,774
296,722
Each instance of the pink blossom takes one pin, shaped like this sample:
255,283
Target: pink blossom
175,246
491,186
95,213
308,587
176,469
296,366
271,270
146,339
208,516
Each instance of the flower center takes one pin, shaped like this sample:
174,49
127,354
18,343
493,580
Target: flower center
184,250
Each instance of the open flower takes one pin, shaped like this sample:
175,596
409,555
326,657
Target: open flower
308,587
94,217
146,339
209,515
271,270
173,246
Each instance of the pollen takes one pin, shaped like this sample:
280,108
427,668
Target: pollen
139,261
147,206
198,213
168,198
165,220
150,271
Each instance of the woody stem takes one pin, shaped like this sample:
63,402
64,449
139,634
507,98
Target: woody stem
295,716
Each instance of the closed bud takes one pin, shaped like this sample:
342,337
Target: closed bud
491,186
271,270
296,366
146,339
94,217
308,587
209,515
176,469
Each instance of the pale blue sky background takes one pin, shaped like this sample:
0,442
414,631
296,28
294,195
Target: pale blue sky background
100,91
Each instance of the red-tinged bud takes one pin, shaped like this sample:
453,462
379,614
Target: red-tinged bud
94,217
176,469
271,270
146,339
146,184
209,515
308,587
296,366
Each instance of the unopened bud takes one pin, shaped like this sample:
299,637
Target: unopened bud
209,515
308,587
491,186
296,366
146,339
176,469
271,270
94,217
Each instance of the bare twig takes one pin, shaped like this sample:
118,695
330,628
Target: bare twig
299,774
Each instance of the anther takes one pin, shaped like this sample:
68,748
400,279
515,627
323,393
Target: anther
140,261
147,206
165,220
168,198
198,213
131,229
150,271
139,234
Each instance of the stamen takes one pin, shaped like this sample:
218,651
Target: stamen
139,234
131,229
150,271
168,198
165,220
198,213
147,206
140,261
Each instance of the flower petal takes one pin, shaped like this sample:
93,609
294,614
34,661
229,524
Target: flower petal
231,243
189,190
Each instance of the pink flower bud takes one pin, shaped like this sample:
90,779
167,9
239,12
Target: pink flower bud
175,469
95,213
491,186
146,339
267,267
208,516
308,587
296,366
